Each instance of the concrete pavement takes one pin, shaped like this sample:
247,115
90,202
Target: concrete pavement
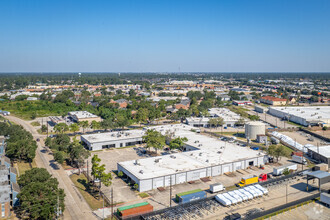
76,206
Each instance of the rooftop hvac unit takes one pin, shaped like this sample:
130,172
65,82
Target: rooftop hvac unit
200,154
219,152
207,161
319,116
172,156
157,160
137,162
141,171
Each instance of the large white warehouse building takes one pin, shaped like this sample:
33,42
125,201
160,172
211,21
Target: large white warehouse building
112,139
229,118
204,156
307,116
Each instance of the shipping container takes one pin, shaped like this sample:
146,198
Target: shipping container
191,197
216,187
298,153
133,210
177,197
299,159
279,170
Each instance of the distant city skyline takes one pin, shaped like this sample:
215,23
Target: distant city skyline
165,36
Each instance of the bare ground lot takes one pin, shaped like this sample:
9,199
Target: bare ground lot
301,138
311,211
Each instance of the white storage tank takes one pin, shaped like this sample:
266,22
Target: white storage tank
253,128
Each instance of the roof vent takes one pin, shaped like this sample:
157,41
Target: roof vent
141,171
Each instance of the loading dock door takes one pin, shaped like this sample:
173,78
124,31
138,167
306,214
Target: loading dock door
225,169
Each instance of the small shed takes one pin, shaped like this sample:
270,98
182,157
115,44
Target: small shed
322,176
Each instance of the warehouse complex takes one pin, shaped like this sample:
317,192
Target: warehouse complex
321,154
307,116
79,116
204,156
112,139
229,118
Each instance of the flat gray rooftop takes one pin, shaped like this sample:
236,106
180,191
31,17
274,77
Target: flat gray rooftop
113,136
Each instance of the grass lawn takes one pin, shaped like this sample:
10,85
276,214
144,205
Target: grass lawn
23,166
143,195
80,181
288,151
35,123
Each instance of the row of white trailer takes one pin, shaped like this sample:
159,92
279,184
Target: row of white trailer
241,195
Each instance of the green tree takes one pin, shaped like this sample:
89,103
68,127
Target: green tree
98,171
276,151
178,143
84,124
77,153
33,115
59,157
39,196
216,122
142,115
61,128
286,172
44,128
154,139
74,128
95,125
254,117
107,124
240,122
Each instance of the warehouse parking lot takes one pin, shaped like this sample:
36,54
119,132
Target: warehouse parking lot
311,211
280,193
160,200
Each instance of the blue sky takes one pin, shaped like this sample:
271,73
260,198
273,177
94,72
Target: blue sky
137,35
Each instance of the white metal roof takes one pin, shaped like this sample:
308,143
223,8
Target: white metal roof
83,114
209,152
113,136
310,113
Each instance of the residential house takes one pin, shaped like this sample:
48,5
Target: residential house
270,100
184,104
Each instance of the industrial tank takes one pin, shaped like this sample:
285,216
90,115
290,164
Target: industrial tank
253,128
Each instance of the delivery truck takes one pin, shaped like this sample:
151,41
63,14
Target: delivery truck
252,179
217,187
299,159
279,170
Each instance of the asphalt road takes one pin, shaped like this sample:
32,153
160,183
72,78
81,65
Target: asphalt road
76,206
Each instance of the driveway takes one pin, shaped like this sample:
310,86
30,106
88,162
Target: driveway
76,206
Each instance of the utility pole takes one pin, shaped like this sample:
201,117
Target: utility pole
87,171
171,191
103,208
111,203
286,196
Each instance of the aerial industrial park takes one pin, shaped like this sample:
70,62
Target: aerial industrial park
165,110
147,156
